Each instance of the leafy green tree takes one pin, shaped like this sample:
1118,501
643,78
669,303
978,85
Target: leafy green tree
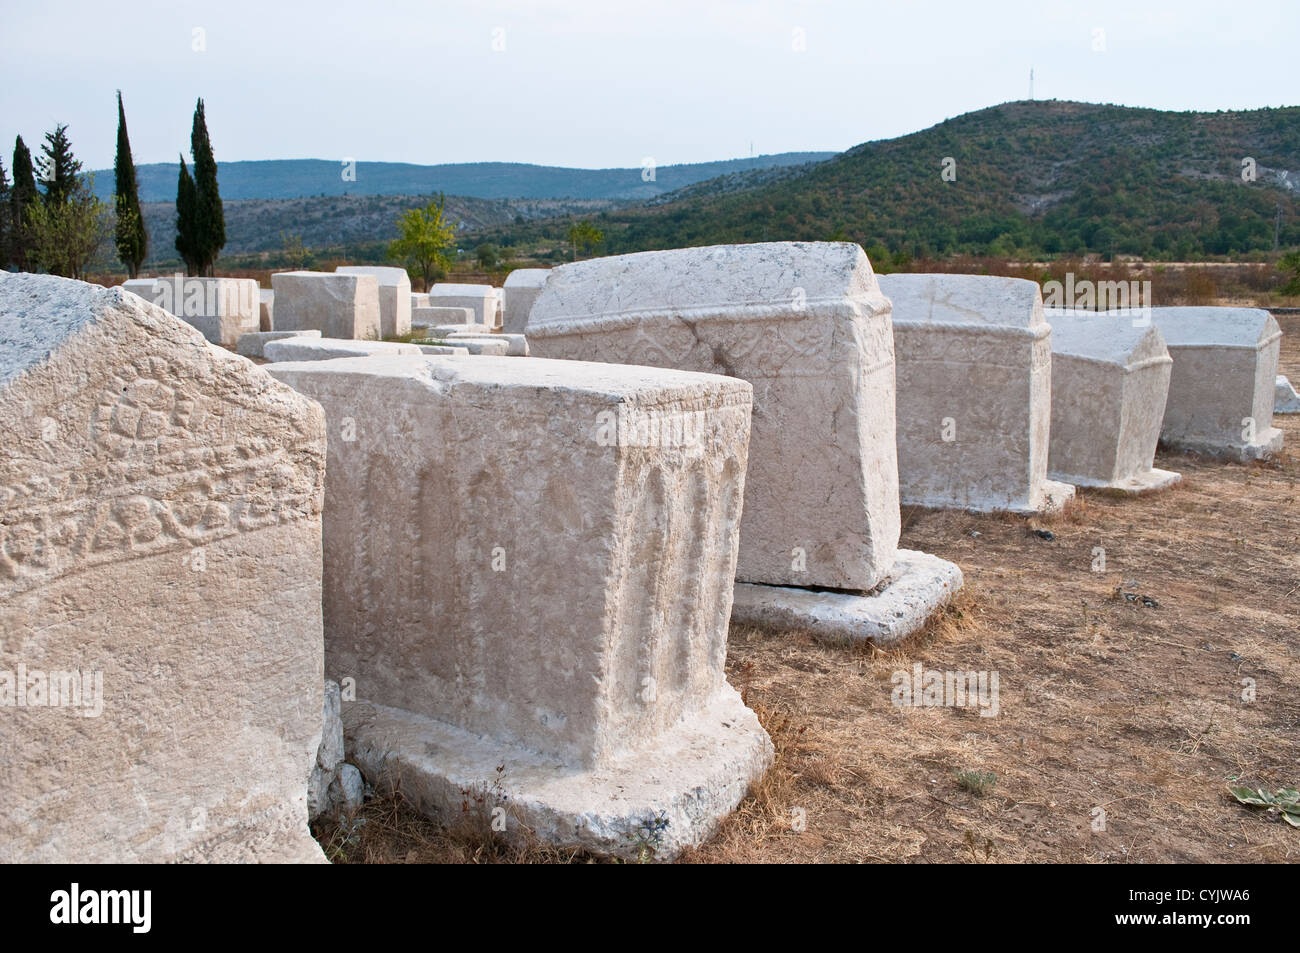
296,255
584,237
209,218
59,171
66,234
423,238
488,255
130,236
23,194
186,226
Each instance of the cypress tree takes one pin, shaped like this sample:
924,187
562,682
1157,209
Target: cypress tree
22,195
209,219
185,223
131,239
4,216
59,170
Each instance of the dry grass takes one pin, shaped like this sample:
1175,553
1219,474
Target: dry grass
1105,704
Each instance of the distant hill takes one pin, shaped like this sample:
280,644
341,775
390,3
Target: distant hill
1032,178
301,178
352,224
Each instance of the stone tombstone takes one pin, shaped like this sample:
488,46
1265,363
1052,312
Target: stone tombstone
140,286
516,344
522,287
254,344
300,347
564,615
480,299
429,318
974,360
394,297
1110,379
1223,384
336,305
807,326
1285,398
222,309
266,310
161,657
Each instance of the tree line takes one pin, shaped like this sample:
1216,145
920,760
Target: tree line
51,220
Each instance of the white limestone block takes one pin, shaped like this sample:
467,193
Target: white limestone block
431,318
304,348
254,344
160,544
565,615
222,309
338,306
1110,379
516,344
480,299
394,297
441,350
1223,383
140,286
807,326
266,310
917,585
974,393
522,287
493,345
418,300
1285,398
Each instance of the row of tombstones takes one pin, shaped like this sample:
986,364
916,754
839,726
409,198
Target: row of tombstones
521,573
351,303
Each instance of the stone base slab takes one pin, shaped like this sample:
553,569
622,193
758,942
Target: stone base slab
1148,481
1265,444
918,585
693,777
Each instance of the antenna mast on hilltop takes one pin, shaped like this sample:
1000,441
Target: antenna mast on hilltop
1031,83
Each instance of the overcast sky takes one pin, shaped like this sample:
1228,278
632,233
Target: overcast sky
599,83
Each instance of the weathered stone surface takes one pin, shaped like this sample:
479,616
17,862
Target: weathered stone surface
160,531
266,310
439,317
807,326
480,299
918,583
522,287
1285,398
140,286
222,309
441,350
338,306
446,330
1223,383
516,344
494,345
1110,378
394,297
253,345
329,756
974,393
617,487
303,348
418,300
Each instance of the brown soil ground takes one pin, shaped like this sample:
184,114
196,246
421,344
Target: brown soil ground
1104,703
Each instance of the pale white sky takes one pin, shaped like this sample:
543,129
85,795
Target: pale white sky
599,83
